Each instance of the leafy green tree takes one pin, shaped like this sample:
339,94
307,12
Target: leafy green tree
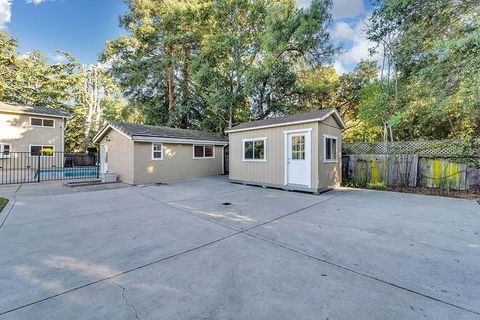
211,64
432,49
88,93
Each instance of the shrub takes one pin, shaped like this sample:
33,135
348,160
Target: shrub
376,186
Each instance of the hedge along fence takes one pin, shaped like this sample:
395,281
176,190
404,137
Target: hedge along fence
436,164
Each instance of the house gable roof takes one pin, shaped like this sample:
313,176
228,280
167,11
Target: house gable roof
34,110
138,132
319,115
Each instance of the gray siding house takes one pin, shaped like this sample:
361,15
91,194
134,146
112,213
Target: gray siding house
298,152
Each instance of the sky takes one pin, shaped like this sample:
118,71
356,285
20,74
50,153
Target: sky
81,27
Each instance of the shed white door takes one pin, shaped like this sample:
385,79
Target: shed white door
298,158
103,158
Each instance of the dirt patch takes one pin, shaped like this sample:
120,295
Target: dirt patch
472,195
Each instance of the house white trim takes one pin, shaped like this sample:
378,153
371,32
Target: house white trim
153,151
179,141
42,126
334,112
203,145
325,160
105,129
223,159
264,139
35,114
2,150
138,138
308,137
41,145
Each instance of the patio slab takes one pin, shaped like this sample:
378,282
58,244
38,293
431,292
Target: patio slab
176,251
430,245
240,278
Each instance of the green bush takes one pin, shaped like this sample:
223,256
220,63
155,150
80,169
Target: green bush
353,183
376,186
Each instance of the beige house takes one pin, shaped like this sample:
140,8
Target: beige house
141,154
31,129
298,152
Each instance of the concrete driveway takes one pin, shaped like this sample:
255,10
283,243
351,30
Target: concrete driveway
208,249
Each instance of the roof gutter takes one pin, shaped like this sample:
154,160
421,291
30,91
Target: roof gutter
138,138
37,114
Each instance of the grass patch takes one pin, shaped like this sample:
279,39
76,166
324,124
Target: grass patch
3,203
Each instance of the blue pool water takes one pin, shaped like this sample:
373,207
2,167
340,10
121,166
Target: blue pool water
77,172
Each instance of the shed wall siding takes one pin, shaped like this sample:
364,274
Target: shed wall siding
16,130
177,163
271,171
120,155
330,174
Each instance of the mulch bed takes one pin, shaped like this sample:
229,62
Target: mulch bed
472,195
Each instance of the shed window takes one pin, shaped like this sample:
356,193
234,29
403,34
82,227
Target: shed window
203,152
330,149
41,122
38,150
254,149
157,151
5,149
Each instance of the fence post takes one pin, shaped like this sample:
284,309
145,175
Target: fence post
38,167
97,163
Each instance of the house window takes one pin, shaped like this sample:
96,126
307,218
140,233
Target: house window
330,149
157,151
5,149
254,149
45,151
41,122
203,152
298,147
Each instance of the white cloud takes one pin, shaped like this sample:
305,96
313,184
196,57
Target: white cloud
343,31
339,68
303,3
341,8
35,2
5,13
359,45
347,9
57,57
24,55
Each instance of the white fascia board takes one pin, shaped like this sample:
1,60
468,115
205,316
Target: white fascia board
337,115
105,129
35,114
333,112
179,141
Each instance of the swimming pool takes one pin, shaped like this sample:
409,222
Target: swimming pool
67,173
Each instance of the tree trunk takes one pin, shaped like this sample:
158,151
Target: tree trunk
170,84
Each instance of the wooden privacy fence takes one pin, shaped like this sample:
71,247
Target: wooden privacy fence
410,163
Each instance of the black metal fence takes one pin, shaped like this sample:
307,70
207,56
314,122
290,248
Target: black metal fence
43,165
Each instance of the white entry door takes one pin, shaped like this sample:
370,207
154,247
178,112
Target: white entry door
103,158
298,158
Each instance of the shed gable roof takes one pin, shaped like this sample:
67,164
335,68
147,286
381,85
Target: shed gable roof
319,115
139,131
36,110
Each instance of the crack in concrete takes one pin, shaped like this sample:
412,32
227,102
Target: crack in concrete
126,300
245,231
